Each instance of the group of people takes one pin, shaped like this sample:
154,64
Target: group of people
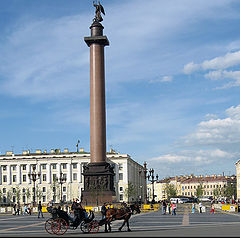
200,207
169,207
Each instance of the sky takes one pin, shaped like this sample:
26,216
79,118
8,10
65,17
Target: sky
172,80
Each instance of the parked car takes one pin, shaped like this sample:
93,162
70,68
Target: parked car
205,199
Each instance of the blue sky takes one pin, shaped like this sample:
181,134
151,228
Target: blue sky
172,80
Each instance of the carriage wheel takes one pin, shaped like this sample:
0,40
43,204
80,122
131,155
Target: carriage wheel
84,227
55,226
48,225
94,227
62,226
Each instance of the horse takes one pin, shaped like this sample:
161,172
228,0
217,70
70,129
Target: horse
120,214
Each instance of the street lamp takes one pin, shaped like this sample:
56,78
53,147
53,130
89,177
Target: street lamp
34,176
144,171
62,179
152,178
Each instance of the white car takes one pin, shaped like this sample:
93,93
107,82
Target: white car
204,199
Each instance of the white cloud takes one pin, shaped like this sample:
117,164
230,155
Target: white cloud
199,157
215,131
191,67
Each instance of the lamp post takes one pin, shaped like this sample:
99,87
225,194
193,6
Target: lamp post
34,176
144,171
152,178
62,179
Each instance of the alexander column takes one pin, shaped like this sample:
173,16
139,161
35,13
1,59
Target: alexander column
98,174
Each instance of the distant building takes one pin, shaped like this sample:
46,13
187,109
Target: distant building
187,185
238,178
15,182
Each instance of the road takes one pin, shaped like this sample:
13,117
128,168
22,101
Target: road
151,224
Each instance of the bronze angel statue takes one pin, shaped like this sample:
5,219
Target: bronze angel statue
99,10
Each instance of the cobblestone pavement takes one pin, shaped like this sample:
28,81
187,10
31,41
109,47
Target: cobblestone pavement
150,224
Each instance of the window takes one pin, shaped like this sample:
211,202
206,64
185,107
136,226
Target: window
44,189
24,178
188,187
24,167
64,198
191,187
4,190
54,176
64,166
44,198
44,177
14,198
74,165
24,199
23,190
14,178
65,176
34,167
14,190
44,166
4,178
121,196
4,168
14,168
120,166
121,189
74,176
194,187
64,189
54,166
120,176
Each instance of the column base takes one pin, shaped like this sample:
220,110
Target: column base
98,184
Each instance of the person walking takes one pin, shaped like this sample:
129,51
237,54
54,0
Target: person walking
15,209
164,207
25,210
169,207
193,208
103,211
212,208
40,210
174,209
200,207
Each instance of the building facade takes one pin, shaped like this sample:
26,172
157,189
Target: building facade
187,186
16,185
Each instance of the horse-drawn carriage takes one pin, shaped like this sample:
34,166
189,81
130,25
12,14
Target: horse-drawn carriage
60,221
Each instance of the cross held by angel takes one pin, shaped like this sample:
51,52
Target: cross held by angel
99,10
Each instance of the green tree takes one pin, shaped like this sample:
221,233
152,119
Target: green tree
28,194
55,189
217,193
38,194
229,191
9,195
130,192
170,191
199,191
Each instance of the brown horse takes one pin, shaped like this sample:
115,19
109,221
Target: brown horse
120,214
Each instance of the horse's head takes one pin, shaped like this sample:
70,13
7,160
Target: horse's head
135,207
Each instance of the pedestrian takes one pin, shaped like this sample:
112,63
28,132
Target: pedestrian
212,208
18,209
200,207
15,209
103,211
40,209
169,207
193,208
25,210
164,207
174,209
29,210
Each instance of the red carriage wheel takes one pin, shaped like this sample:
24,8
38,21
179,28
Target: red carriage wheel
48,225
62,226
93,226
55,226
